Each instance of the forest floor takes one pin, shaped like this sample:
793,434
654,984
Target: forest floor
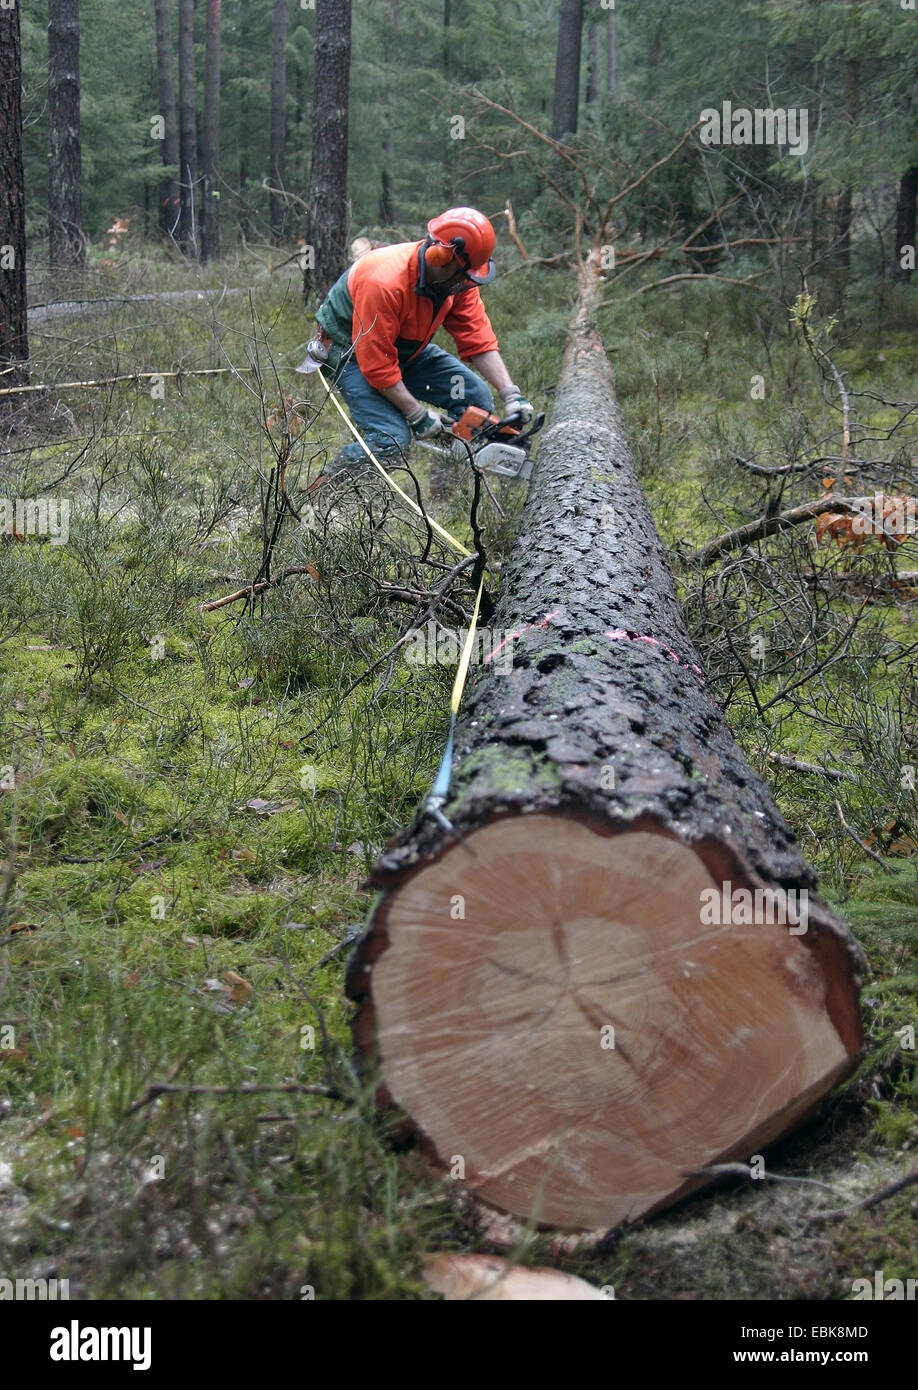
198,798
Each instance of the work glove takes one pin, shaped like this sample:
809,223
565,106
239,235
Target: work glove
516,405
425,424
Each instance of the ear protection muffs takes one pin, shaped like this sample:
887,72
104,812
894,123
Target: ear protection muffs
438,254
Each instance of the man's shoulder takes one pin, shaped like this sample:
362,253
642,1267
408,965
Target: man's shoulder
469,300
392,265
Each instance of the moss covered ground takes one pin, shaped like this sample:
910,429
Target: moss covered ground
192,801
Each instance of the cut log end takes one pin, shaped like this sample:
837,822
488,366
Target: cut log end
570,1032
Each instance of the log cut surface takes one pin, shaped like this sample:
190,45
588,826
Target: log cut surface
599,792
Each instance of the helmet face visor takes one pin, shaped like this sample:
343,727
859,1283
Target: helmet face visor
483,274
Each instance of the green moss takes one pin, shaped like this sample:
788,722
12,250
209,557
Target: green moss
121,969
508,770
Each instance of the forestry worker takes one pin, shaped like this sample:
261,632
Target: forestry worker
376,324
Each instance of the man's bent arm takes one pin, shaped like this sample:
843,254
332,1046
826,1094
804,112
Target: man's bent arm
399,396
491,366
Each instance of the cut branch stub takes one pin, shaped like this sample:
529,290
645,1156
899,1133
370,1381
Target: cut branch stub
575,1007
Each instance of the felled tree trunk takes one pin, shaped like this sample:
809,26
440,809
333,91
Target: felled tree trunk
555,1002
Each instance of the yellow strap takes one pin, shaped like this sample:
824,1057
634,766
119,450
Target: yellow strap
463,668
444,534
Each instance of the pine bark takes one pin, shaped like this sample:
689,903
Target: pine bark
278,115
66,244
610,55
326,230
844,206
188,138
14,338
906,222
567,69
597,790
169,197
245,24
387,210
210,205
592,92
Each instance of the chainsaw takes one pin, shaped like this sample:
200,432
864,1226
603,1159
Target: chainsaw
494,445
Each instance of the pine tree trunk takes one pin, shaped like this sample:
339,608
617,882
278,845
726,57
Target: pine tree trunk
554,1003
592,92
279,115
66,244
567,69
387,210
906,224
188,142
610,68
169,197
843,211
654,54
449,173
326,230
14,339
210,208
244,123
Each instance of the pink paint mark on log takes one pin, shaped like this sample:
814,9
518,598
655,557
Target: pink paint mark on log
511,636
619,634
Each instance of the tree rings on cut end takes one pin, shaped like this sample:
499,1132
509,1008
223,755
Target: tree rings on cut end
570,1039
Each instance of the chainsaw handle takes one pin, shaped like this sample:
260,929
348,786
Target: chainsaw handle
537,422
534,428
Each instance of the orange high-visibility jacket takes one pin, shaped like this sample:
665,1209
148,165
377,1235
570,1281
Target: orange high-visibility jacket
374,305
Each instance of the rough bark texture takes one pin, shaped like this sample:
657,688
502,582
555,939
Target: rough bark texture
326,230
210,207
906,222
588,563
604,719
278,115
14,339
567,69
66,245
169,200
188,143
387,210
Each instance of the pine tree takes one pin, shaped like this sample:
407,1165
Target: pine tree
66,245
278,116
210,208
188,138
169,191
327,197
14,339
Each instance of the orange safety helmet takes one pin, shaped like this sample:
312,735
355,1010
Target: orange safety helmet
467,234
